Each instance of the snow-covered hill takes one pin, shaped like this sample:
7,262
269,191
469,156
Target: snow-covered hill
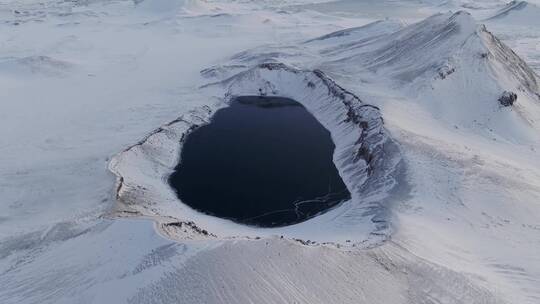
453,67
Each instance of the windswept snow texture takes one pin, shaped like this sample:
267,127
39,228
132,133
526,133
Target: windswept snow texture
444,190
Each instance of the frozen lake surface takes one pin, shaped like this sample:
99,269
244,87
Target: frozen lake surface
263,161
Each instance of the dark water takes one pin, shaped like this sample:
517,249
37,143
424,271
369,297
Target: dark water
262,161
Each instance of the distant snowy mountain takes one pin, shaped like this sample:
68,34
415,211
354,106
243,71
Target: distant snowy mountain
518,13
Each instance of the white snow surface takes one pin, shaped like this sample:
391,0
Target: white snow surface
445,210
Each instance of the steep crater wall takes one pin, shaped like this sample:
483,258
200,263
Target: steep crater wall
367,159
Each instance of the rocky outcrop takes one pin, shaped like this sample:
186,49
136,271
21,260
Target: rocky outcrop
507,98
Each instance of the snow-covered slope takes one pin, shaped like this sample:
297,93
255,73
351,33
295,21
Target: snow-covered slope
517,23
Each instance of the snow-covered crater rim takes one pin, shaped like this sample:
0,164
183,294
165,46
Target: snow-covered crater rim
366,158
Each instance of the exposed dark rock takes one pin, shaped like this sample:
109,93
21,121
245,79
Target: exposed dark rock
508,98
192,226
445,71
220,71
